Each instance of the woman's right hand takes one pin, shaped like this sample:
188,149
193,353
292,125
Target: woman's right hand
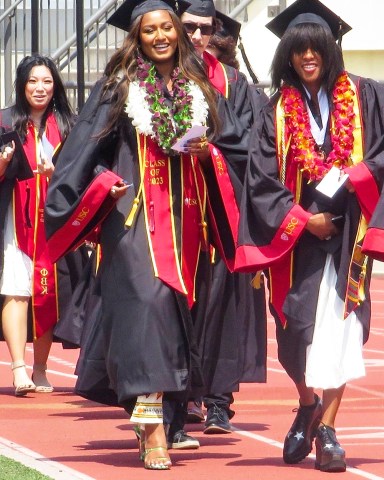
321,226
5,157
118,190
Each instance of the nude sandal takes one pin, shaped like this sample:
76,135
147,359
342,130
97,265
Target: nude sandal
40,379
23,388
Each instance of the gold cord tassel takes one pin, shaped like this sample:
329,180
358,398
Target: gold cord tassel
257,280
204,232
132,213
363,273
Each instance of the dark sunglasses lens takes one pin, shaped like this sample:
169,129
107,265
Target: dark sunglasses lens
206,29
192,27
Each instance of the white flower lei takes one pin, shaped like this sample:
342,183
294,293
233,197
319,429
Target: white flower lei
137,107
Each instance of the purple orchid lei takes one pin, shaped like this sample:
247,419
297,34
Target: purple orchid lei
168,124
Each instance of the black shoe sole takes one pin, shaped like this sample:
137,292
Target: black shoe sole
298,459
215,429
191,418
334,466
183,446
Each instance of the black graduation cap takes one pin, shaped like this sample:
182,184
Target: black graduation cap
201,8
231,27
131,9
308,11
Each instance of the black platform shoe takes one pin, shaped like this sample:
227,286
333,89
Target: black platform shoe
330,457
298,442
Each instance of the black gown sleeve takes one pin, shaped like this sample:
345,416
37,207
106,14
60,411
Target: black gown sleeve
83,161
270,220
368,177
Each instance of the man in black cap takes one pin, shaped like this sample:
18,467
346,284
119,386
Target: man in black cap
305,219
234,343
223,42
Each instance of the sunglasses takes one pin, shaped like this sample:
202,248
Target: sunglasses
191,28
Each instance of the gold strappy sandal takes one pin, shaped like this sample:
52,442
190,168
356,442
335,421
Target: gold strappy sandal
140,436
154,464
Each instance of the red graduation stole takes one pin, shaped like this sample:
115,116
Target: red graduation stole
174,257
29,200
217,74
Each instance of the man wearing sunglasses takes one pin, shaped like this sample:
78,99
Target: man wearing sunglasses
228,341
199,30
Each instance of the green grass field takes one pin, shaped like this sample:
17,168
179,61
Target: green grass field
11,470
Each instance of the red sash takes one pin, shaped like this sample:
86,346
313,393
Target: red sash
29,200
95,200
216,74
174,257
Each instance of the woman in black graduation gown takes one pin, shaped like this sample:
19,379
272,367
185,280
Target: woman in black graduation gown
118,171
321,118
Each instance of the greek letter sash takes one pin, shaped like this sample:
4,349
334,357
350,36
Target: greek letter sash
29,200
355,293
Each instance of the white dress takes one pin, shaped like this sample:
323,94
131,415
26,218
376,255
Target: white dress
336,354
17,271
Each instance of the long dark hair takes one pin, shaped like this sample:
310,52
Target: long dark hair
297,40
124,64
59,103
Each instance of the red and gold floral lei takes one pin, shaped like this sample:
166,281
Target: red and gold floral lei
305,152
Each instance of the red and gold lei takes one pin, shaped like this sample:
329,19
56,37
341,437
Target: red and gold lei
304,150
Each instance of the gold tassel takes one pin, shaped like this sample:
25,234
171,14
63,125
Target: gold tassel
257,280
98,256
204,232
213,255
361,294
132,213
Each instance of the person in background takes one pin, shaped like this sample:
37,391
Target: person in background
233,345
223,42
42,118
322,122
120,172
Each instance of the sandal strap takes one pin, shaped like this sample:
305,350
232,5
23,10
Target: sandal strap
149,450
17,364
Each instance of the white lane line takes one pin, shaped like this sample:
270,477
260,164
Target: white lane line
366,390
371,350
53,358
54,372
54,470
274,443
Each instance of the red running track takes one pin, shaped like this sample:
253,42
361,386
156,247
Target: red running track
71,438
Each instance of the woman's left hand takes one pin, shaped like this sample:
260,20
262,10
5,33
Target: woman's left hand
6,156
348,185
199,147
45,168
